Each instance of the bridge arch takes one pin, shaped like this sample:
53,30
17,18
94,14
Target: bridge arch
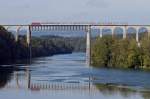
7,27
143,32
131,32
15,30
106,30
17,33
119,32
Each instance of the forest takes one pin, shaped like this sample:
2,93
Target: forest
121,53
10,50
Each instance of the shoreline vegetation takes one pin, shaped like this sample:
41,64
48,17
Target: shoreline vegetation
12,51
121,53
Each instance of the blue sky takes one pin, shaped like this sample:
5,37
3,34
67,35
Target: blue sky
120,11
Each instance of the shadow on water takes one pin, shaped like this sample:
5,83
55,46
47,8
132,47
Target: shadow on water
126,92
7,71
111,89
5,75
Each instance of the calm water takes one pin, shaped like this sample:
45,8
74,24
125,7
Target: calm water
68,77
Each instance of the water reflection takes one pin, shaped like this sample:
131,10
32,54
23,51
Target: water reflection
125,92
5,75
68,80
111,90
9,73
146,95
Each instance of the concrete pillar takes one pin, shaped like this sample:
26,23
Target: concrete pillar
137,34
28,36
113,31
17,34
88,46
124,32
29,41
101,32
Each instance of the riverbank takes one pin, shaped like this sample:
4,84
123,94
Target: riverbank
11,51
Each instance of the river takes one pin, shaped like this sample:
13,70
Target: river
68,77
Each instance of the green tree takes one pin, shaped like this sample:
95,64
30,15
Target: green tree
145,46
119,53
101,53
134,55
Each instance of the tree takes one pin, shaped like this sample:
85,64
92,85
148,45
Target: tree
145,46
101,53
134,54
119,53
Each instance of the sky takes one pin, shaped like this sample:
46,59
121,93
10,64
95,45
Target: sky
99,11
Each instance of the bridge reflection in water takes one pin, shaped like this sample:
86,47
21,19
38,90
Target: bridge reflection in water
38,81
27,81
61,86
48,85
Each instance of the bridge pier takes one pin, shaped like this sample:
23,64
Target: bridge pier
17,34
124,32
137,34
88,46
29,41
101,32
113,31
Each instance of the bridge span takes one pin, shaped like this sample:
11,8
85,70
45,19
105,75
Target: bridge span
85,27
